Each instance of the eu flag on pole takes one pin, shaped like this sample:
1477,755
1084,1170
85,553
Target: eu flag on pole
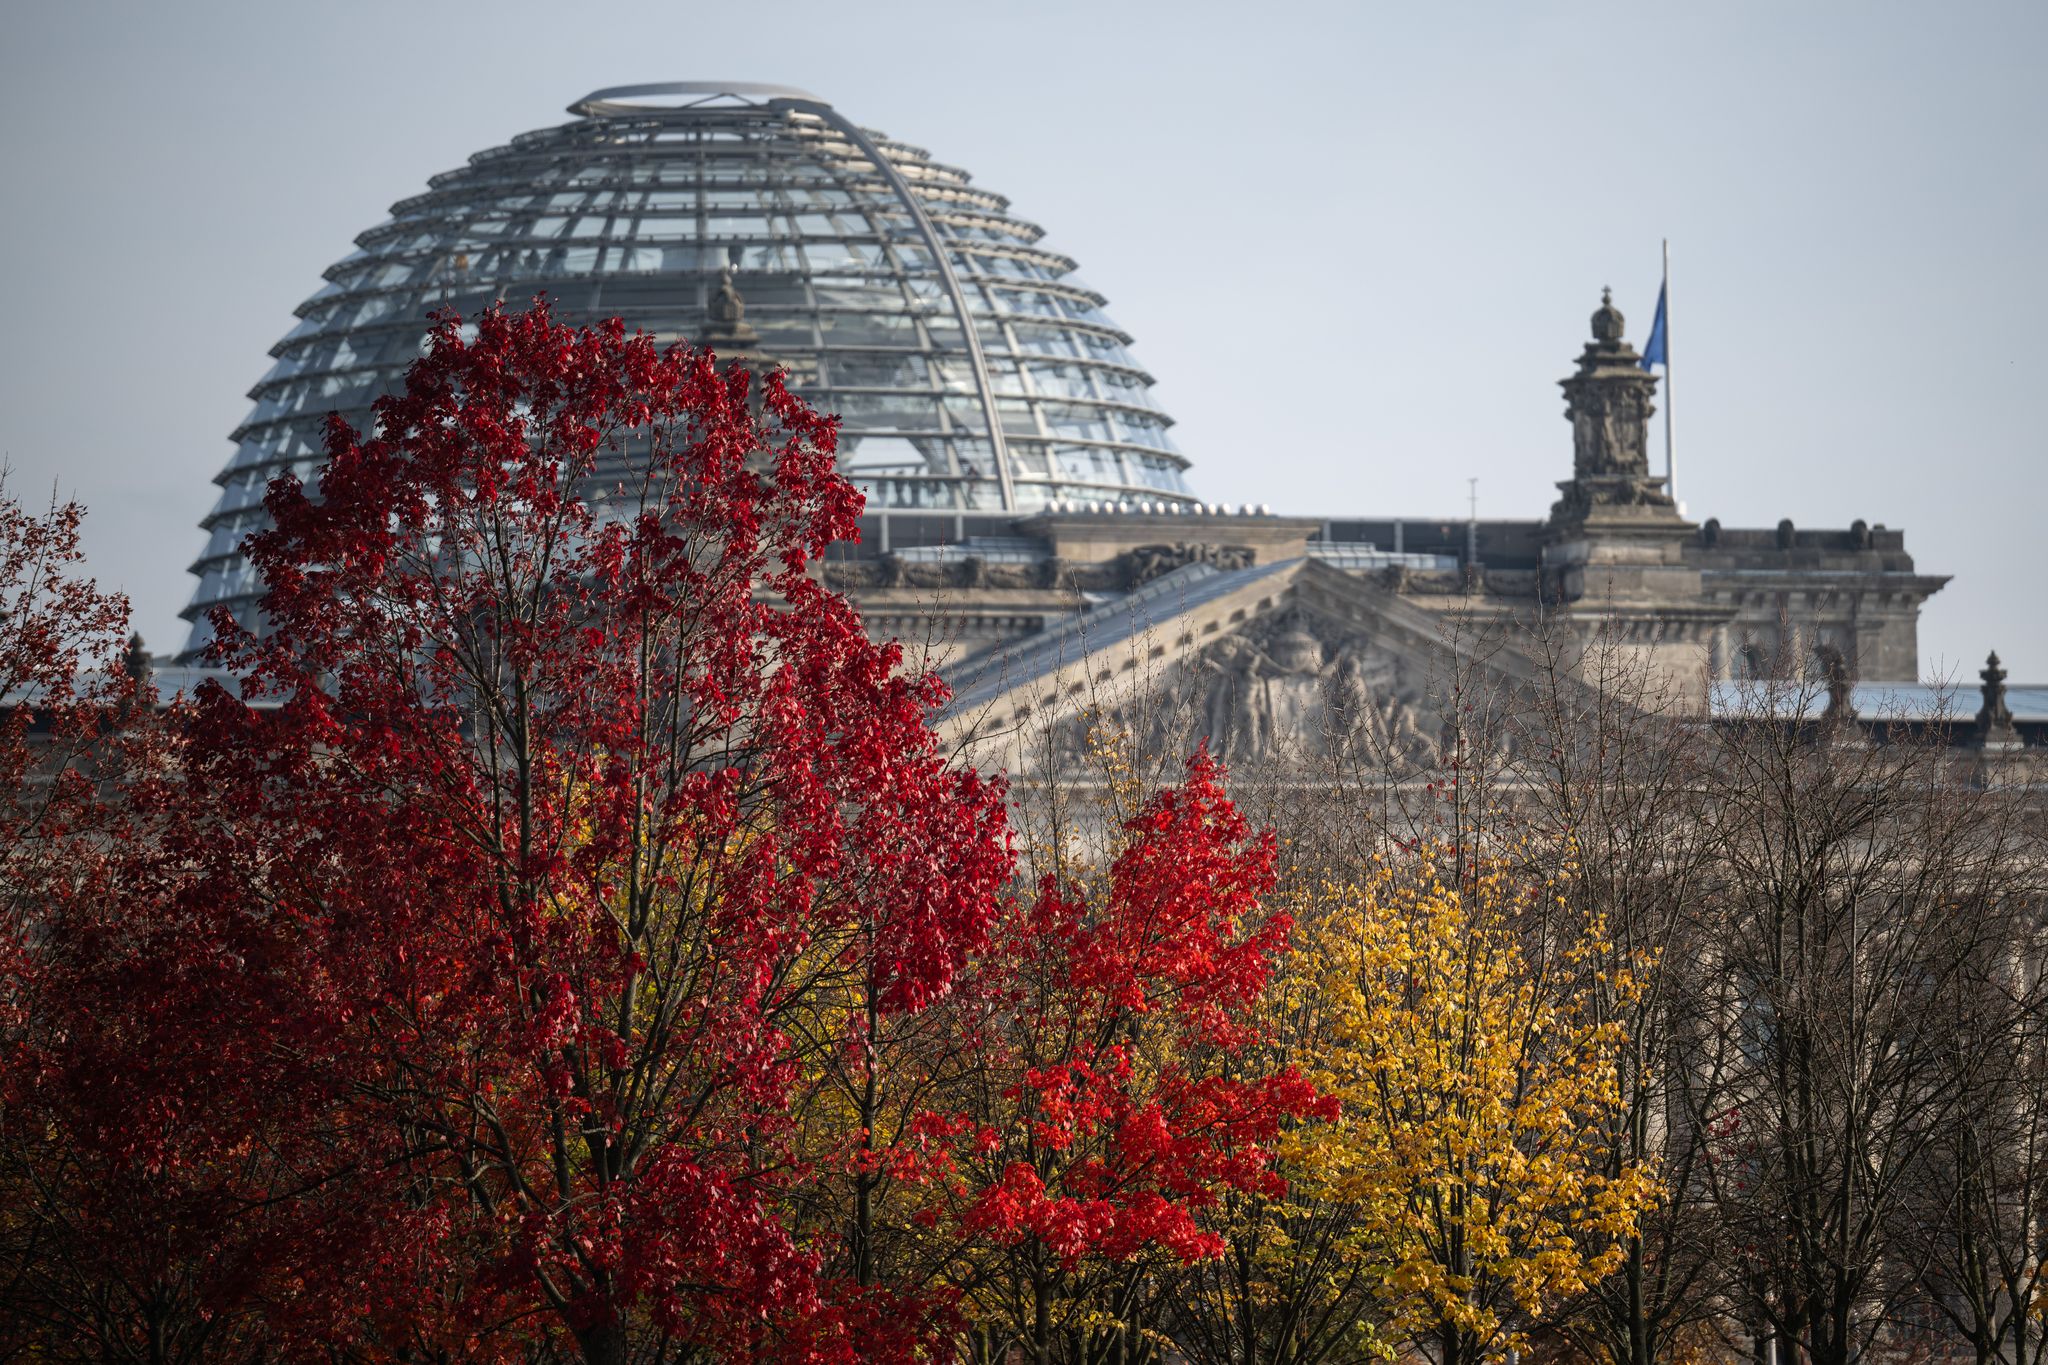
1655,348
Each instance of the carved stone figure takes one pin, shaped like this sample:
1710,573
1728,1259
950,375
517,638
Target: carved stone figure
893,571
1144,563
725,326
1238,723
1281,685
1434,584
850,573
1012,575
1834,667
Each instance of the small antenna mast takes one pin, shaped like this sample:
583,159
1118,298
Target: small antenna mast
1472,520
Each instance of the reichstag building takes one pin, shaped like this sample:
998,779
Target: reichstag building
1028,512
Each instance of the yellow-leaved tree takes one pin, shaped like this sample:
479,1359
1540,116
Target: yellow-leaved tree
1477,1077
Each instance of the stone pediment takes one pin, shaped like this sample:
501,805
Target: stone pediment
1269,664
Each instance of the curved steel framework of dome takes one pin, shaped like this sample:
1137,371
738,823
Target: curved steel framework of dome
973,373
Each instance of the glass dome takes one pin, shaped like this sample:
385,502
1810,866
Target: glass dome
972,371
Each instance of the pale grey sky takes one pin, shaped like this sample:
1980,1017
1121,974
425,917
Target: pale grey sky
1357,243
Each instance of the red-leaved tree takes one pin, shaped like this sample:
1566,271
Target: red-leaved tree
1114,1097
557,789
60,673
60,680
137,1137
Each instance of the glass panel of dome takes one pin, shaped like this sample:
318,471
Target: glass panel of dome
965,411
1088,464
1067,381
1155,472
1030,461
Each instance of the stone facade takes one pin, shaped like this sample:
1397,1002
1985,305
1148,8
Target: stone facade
1270,626
1270,636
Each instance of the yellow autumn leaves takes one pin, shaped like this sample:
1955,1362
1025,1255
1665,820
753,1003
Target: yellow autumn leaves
1451,1019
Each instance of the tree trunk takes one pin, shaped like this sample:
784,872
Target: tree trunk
604,1344
1456,1346
1639,1348
1041,1307
864,1183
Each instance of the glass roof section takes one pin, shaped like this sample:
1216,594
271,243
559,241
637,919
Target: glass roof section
972,370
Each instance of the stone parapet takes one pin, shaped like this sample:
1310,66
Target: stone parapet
1092,537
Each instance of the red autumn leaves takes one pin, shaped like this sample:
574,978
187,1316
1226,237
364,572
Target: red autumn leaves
1169,959
573,933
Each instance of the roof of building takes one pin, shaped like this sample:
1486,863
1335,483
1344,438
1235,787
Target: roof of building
1902,702
1099,631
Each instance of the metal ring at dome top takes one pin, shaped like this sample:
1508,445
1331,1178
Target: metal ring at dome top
617,99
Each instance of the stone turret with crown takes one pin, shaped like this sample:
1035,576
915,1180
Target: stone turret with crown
1614,549
1608,402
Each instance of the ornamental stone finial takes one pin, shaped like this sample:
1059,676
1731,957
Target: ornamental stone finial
1608,321
1994,717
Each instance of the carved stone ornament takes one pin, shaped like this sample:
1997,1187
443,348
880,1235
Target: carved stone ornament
1994,717
893,571
1144,563
1286,688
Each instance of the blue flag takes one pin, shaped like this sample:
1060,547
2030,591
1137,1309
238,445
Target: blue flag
1656,349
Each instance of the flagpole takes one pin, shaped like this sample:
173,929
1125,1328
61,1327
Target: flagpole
1670,450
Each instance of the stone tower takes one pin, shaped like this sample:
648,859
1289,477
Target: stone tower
1614,549
1608,402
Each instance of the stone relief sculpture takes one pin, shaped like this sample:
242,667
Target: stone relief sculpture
893,571
1144,563
1284,689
